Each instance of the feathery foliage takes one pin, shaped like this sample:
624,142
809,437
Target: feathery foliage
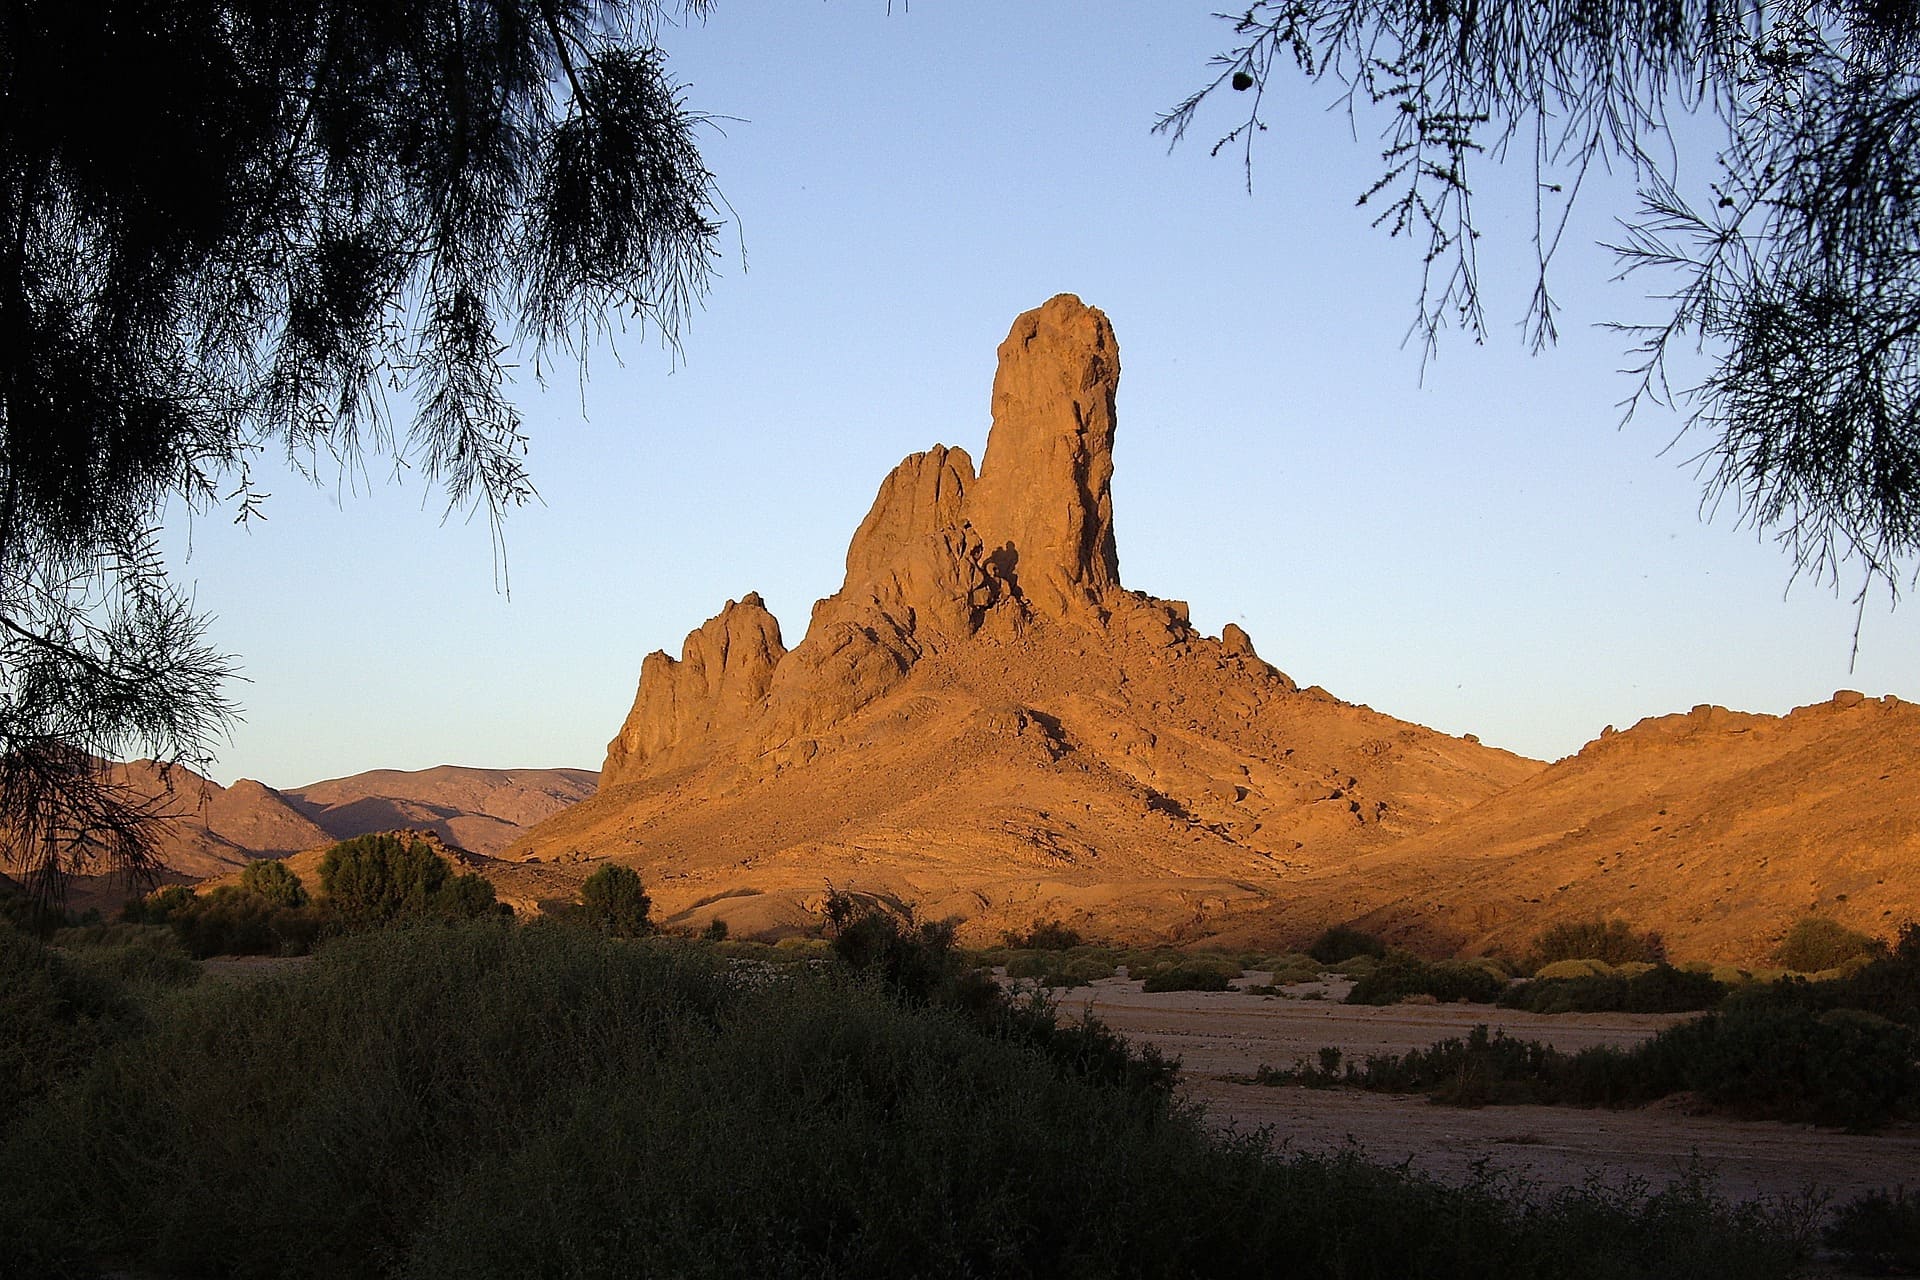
1795,264
321,226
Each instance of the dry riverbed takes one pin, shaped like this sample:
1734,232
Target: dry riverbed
1222,1038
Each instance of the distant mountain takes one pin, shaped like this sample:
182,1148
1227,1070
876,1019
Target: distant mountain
211,829
480,810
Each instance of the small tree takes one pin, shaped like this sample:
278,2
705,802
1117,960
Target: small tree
616,902
373,879
1817,943
468,897
273,882
1344,942
1612,941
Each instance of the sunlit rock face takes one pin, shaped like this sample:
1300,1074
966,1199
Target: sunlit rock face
1043,506
983,721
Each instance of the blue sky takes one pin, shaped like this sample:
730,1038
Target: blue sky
1482,549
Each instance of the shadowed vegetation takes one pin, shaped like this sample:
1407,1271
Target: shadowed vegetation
490,1100
1843,1052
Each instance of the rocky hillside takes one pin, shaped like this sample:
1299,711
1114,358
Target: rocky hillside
984,722
480,810
1719,829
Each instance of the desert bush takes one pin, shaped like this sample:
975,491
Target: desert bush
160,906
1888,986
1138,960
1656,989
1344,942
468,896
1293,972
1055,969
376,879
1402,975
1044,935
1878,1233
229,921
1842,1068
716,931
1614,941
615,901
1356,967
1817,943
1192,973
1272,961
1574,969
916,961
55,1014
132,956
371,1114
273,882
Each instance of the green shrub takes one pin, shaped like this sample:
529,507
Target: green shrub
615,901
1878,1233
1194,973
916,961
229,921
1295,973
1045,935
137,957
716,931
1402,975
376,879
274,883
1658,989
1817,943
1614,941
375,1113
1888,986
1344,942
1356,968
1842,1068
1574,969
55,1015
160,906
467,897
1052,969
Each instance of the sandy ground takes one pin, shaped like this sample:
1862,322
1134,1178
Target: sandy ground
1222,1038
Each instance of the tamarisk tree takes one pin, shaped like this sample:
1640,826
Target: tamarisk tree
1792,261
312,226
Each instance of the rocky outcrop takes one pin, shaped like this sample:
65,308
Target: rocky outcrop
1042,506
985,722
684,708
938,550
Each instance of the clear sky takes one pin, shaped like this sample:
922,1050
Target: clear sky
1483,549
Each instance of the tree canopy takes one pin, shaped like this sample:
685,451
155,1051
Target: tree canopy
1793,261
316,226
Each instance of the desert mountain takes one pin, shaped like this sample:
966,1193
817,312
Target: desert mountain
209,832
480,810
984,723
211,829
1718,828
204,829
